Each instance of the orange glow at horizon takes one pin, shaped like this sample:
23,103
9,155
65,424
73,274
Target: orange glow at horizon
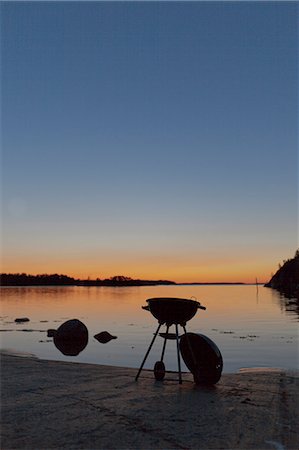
178,269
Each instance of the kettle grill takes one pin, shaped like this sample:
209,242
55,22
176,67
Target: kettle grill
169,311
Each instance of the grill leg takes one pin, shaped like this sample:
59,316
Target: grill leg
164,343
147,353
178,352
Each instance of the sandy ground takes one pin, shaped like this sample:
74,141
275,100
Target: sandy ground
58,405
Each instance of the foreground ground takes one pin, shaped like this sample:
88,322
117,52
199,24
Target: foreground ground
58,405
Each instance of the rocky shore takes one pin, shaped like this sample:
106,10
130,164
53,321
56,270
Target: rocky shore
59,405
286,279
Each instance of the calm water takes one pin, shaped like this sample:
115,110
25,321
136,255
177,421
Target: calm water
252,329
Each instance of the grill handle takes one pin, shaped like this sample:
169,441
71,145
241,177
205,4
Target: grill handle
201,307
145,307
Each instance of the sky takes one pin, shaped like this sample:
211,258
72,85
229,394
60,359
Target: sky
149,139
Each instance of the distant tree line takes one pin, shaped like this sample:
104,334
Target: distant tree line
22,279
120,280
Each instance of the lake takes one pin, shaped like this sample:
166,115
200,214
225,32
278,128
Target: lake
253,327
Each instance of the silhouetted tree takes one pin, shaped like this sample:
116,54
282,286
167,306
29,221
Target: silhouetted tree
286,279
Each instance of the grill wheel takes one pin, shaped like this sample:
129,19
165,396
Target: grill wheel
159,370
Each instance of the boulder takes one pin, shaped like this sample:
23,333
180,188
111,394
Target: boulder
71,337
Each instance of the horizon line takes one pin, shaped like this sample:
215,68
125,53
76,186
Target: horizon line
124,278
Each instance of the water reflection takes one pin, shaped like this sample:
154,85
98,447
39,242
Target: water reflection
249,330
290,305
72,347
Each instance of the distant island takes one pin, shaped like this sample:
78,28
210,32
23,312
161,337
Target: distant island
23,279
286,279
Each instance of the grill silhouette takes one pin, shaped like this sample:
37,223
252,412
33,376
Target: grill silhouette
169,311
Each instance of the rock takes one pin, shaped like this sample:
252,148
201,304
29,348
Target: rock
22,319
71,329
71,337
51,333
104,337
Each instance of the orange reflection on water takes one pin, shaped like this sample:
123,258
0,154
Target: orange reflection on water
250,327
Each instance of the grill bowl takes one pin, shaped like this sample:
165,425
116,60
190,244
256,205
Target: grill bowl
170,310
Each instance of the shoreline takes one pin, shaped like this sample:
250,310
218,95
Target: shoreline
254,369
94,284
55,404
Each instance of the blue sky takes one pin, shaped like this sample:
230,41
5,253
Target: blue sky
149,139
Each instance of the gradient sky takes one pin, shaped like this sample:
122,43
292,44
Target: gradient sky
153,140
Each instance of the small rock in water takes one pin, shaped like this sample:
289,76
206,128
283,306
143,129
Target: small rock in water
51,332
104,337
22,319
